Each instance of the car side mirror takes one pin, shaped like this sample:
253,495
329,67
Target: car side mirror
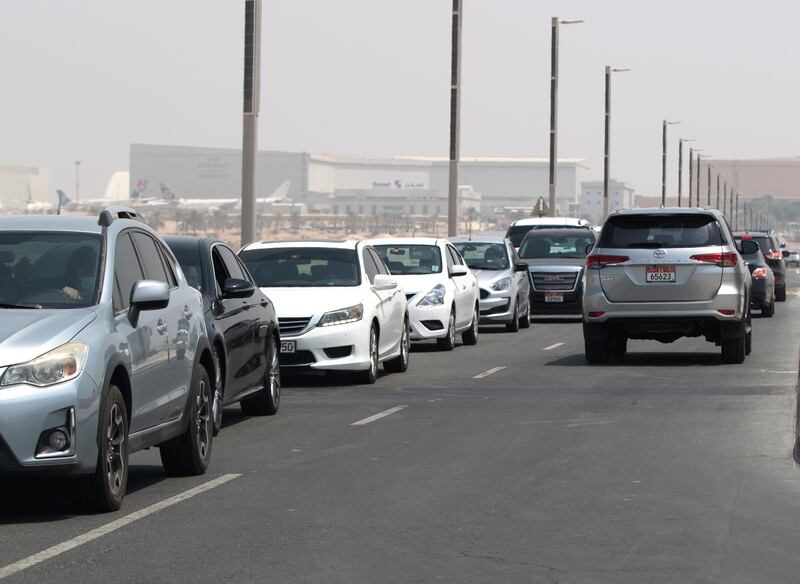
785,254
589,248
521,267
748,247
147,295
237,288
458,270
384,282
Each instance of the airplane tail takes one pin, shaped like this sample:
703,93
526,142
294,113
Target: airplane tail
167,193
63,199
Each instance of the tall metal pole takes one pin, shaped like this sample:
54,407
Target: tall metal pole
725,201
664,164
697,177
708,190
77,181
717,190
691,174
553,114
736,220
680,171
251,106
607,156
455,119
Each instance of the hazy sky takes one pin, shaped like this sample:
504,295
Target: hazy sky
82,79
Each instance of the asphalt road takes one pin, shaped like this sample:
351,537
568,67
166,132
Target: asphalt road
511,461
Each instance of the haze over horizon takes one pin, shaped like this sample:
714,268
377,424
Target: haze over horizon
370,77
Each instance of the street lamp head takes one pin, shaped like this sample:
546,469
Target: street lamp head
619,70
570,21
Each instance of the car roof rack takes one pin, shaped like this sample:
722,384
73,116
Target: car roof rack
109,214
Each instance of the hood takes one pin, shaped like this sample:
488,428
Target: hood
419,283
26,334
488,277
303,302
555,264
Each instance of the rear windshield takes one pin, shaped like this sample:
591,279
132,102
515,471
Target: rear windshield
302,267
483,256
516,233
405,260
661,231
540,244
189,259
763,242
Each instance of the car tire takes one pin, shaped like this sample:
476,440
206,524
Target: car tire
216,403
525,321
370,376
618,345
448,343
512,326
768,311
105,489
470,336
597,352
780,294
400,363
733,350
191,453
748,337
267,401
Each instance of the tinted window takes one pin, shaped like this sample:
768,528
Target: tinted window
189,258
369,266
150,257
220,269
382,269
661,231
302,267
457,260
764,242
408,259
231,265
484,256
126,270
571,244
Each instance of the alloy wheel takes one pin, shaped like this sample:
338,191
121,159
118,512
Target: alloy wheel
275,376
115,443
202,419
216,407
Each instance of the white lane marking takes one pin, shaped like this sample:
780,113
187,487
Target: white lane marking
491,371
378,416
98,532
553,346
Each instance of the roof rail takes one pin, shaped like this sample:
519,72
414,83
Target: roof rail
108,215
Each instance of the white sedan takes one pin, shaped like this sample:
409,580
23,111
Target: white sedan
442,292
338,307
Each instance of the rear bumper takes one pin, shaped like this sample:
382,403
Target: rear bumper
664,329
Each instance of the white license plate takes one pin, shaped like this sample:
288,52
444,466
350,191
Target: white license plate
660,274
553,297
288,347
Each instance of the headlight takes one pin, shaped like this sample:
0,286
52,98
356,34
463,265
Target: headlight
61,364
502,284
433,298
343,316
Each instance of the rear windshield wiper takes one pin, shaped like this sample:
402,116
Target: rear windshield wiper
12,305
646,244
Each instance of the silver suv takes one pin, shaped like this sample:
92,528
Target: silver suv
103,352
664,274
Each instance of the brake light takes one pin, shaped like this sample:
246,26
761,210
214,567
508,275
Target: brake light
600,260
727,312
760,273
596,313
746,237
723,260
774,255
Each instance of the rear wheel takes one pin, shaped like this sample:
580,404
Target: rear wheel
370,376
267,401
512,326
618,345
400,363
733,350
780,294
748,337
596,351
448,343
470,336
769,310
192,452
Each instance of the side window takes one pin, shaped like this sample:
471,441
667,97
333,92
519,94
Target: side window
247,275
150,257
126,271
231,263
220,272
167,259
382,269
369,265
456,257
448,258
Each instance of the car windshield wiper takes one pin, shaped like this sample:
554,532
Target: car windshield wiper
646,244
21,305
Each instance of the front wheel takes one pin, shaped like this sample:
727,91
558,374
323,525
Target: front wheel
448,343
267,401
216,404
192,452
470,336
525,321
512,325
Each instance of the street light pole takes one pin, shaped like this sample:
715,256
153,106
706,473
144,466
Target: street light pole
664,161
736,219
77,181
708,190
607,155
691,174
697,178
725,201
250,109
455,119
555,23
717,190
680,171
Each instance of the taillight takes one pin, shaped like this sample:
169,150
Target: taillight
760,273
723,260
600,260
774,255
596,313
727,312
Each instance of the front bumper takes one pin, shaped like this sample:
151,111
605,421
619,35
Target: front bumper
496,307
427,322
320,347
27,411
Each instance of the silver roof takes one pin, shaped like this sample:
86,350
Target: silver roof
86,223
478,239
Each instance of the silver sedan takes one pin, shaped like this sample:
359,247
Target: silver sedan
503,280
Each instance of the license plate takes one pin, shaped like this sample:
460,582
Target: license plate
288,347
660,274
553,297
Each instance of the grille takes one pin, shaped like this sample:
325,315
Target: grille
554,280
293,326
484,294
297,359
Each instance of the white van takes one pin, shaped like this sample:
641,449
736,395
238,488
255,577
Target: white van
517,230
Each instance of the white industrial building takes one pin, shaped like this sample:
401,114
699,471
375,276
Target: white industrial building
321,180
22,185
620,196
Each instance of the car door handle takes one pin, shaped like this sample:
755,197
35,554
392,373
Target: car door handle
187,313
161,327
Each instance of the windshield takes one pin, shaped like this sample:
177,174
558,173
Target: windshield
661,231
403,260
49,269
189,259
303,267
540,245
483,256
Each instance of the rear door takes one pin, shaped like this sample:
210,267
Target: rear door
669,257
396,305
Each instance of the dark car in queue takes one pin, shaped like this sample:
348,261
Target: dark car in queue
556,259
763,291
242,327
771,249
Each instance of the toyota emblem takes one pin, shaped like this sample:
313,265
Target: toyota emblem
660,253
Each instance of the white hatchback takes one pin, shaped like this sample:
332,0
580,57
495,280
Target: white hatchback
442,293
338,307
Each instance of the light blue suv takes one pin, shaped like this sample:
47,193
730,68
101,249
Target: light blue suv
103,352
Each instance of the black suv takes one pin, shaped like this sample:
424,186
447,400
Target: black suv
771,249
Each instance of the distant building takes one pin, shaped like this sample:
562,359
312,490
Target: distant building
20,185
620,196
779,177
